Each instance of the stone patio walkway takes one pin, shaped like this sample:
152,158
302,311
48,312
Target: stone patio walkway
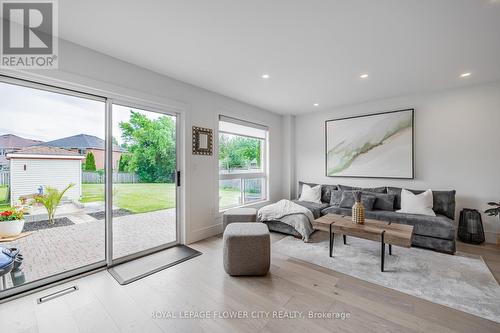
51,251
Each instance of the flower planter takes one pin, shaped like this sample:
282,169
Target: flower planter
11,228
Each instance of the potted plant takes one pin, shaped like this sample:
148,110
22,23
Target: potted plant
11,222
493,211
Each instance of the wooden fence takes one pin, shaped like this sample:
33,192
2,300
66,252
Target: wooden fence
4,177
118,177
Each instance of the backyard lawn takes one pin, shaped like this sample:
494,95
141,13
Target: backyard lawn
146,197
138,198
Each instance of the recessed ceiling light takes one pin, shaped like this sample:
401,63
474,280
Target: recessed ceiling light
316,104
363,76
465,74
265,76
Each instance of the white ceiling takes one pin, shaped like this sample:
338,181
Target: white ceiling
313,50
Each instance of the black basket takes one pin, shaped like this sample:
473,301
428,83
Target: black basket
470,226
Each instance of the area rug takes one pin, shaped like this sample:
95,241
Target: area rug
459,281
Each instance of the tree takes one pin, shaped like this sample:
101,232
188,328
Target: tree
238,151
90,162
123,163
150,144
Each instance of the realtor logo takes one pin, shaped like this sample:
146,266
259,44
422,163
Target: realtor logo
29,34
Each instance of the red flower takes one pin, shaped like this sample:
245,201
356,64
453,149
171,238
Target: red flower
7,213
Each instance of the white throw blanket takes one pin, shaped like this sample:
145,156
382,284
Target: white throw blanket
286,211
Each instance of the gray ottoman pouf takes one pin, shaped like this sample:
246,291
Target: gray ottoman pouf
247,249
239,215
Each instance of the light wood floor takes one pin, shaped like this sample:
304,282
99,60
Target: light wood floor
200,284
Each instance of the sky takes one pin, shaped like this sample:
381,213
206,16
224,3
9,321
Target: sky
42,115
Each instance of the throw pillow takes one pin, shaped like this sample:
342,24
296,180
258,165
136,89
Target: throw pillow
420,204
347,200
311,194
335,198
383,201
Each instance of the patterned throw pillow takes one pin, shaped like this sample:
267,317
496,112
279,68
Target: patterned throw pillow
347,200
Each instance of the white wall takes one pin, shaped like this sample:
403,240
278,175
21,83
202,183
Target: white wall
457,145
44,172
199,107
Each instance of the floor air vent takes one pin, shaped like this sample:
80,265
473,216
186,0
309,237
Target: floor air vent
59,293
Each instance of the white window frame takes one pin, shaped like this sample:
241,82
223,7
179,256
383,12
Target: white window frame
262,174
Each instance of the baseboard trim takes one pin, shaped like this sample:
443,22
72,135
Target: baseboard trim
203,233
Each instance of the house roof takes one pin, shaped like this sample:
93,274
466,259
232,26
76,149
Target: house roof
45,152
81,141
14,141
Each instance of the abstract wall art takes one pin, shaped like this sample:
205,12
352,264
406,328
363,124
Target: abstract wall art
376,146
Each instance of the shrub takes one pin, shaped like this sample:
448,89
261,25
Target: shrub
90,162
50,199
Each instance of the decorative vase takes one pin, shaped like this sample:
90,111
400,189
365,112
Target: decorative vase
358,210
11,228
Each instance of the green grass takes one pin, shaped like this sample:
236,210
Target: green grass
229,198
138,198
4,204
146,197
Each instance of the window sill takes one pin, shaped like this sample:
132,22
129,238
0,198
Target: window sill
266,201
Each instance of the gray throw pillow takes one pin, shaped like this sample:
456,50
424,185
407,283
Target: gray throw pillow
383,201
347,200
326,191
335,198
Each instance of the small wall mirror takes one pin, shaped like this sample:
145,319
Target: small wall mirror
202,141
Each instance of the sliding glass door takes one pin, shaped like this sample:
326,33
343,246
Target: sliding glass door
52,151
84,183
144,181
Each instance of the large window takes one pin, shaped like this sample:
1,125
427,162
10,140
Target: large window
242,162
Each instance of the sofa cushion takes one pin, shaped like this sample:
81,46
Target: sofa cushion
443,201
335,198
315,208
311,194
438,226
300,187
347,200
325,190
383,201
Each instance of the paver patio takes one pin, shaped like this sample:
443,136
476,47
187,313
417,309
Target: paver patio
50,251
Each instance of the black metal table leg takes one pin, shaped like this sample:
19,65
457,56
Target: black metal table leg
345,239
382,251
390,249
331,240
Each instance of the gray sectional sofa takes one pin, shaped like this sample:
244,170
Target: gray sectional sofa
436,233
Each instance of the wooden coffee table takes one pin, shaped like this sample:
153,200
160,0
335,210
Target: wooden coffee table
379,231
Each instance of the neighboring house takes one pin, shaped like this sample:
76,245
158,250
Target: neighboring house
11,143
84,144
37,166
